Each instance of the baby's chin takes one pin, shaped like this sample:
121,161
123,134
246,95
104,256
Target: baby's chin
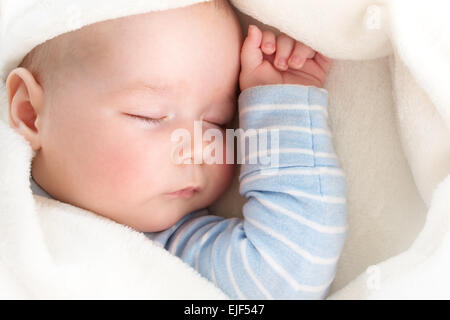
162,216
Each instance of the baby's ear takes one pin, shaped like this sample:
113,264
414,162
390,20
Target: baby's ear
25,97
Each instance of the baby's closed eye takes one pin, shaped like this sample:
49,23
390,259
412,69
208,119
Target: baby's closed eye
147,120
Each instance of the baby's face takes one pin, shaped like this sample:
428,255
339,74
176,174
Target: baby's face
99,152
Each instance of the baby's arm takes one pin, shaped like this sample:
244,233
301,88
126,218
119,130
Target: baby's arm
294,225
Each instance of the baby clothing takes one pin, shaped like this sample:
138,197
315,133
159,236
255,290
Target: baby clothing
294,227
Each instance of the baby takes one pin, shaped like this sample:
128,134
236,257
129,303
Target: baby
99,106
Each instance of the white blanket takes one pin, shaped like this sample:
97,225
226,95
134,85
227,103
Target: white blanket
390,116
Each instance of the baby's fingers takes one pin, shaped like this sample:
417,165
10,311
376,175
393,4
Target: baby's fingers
324,62
300,54
285,45
269,42
251,55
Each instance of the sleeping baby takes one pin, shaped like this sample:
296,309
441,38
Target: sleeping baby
100,105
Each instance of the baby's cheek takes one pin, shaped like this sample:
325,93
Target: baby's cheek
221,176
120,167
223,173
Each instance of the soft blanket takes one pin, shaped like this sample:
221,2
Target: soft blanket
390,116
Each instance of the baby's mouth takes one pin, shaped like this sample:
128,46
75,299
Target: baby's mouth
185,193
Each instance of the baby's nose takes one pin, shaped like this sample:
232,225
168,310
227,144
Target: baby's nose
189,151
193,155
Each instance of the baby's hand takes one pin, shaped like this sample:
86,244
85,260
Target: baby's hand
267,59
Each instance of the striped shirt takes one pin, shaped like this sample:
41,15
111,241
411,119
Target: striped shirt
294,226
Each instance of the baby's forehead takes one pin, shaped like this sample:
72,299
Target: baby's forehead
105,47
87,41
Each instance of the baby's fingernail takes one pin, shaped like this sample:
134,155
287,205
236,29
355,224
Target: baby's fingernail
251,28
297,61
269,46
282,63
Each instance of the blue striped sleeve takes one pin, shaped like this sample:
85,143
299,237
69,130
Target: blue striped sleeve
294,227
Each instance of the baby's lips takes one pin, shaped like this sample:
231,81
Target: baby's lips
183,193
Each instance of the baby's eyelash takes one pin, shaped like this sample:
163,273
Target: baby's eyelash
146,120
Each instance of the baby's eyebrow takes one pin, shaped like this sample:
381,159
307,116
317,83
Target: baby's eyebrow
154,89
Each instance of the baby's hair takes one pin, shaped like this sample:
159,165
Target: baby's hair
36,58
223,5
220,4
